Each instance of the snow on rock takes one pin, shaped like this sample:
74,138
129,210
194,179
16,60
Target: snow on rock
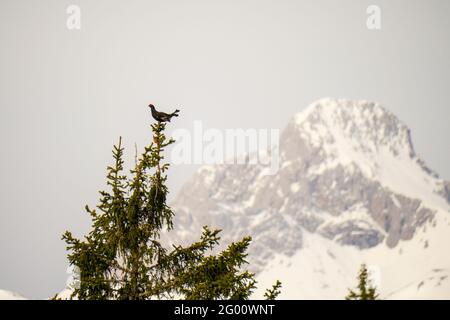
350,189
322,269
9,295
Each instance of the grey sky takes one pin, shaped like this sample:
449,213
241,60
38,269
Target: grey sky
66,96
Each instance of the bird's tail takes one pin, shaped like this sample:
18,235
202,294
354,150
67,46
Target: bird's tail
175,113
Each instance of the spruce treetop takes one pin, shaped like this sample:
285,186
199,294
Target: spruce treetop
365,290
122,256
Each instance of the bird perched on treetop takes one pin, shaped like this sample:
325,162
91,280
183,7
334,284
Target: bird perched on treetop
161,116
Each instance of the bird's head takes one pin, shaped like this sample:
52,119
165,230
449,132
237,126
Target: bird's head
151,106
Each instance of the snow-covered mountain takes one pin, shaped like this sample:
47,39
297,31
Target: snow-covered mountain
8,295
350,189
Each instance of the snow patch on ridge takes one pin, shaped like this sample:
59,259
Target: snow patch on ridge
364,134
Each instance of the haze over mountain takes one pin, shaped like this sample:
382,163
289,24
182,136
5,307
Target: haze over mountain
350,189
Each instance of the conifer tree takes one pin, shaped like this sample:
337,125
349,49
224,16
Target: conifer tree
122,256
365,290
272,294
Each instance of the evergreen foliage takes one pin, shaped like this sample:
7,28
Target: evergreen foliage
122,256
365,290
272,294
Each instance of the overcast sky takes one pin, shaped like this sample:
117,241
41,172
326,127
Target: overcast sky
67,95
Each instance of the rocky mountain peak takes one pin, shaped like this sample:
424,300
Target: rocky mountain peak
348,173
348,130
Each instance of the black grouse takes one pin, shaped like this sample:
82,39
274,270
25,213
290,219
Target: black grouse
161,116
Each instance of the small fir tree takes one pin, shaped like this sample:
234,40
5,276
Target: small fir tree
365,290
272,294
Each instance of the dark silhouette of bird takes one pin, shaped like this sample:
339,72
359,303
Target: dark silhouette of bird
162,116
